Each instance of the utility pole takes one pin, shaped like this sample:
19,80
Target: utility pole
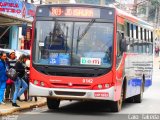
147,10
156,15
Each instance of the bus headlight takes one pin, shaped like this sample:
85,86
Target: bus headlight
35,82
107,85
42,84
100,86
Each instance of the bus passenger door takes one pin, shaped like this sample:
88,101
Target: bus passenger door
120,60
120,47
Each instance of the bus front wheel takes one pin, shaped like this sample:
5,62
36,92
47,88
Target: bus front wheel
116,106
53,103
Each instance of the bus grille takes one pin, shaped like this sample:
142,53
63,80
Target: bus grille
71,71
72,74
74,86
70,93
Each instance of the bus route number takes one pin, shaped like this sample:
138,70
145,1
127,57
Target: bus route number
87,80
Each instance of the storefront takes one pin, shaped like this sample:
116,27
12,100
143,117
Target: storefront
13,15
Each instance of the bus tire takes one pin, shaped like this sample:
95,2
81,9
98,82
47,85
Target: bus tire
116,106
53,103
129,100
138,98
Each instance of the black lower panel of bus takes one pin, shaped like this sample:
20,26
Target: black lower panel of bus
71,71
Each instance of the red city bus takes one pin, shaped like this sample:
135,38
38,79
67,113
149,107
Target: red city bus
89,52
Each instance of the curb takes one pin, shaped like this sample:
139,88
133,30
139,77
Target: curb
22,108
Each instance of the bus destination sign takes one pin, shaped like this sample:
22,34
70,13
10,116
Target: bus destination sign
75,12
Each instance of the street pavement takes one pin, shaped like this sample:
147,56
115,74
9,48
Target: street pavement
147,110
7,108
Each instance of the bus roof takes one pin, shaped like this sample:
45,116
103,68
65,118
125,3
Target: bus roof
133,19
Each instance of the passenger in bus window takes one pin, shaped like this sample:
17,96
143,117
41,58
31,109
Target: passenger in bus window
58,41
47,42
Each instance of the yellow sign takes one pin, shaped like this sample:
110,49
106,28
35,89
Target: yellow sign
157,32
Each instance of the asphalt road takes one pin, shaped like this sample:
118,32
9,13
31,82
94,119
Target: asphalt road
149,109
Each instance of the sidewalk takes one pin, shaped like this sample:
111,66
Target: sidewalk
9,109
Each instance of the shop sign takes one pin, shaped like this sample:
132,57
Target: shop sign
18,9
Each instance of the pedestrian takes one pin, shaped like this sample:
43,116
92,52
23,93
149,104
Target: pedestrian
3,76
12,59
157,50
19,82
27,62
26,77
10,83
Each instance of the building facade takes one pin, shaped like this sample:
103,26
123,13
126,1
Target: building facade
13,14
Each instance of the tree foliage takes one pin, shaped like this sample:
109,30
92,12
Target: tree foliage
153,6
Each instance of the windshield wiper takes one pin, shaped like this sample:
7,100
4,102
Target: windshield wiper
85,30
79,37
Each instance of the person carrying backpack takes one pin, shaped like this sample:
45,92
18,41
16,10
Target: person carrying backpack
19,82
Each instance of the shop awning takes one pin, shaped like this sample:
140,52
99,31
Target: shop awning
6,20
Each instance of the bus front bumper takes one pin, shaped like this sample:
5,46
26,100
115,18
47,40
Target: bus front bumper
72,94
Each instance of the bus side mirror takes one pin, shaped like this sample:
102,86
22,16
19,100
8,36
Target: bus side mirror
123,45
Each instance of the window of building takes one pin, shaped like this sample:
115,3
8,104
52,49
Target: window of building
151,36
144,35
128,30
147,35
141,31
134,32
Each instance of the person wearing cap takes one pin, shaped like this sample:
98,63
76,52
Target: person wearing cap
12,59
10,84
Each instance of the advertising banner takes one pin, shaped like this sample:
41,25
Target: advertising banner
17,8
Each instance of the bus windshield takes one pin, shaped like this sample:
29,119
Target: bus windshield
73,43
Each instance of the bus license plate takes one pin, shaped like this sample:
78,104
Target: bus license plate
101,94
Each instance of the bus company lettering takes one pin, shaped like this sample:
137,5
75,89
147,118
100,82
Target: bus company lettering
101,94
90,61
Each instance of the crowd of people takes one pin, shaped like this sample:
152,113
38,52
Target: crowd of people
11,89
